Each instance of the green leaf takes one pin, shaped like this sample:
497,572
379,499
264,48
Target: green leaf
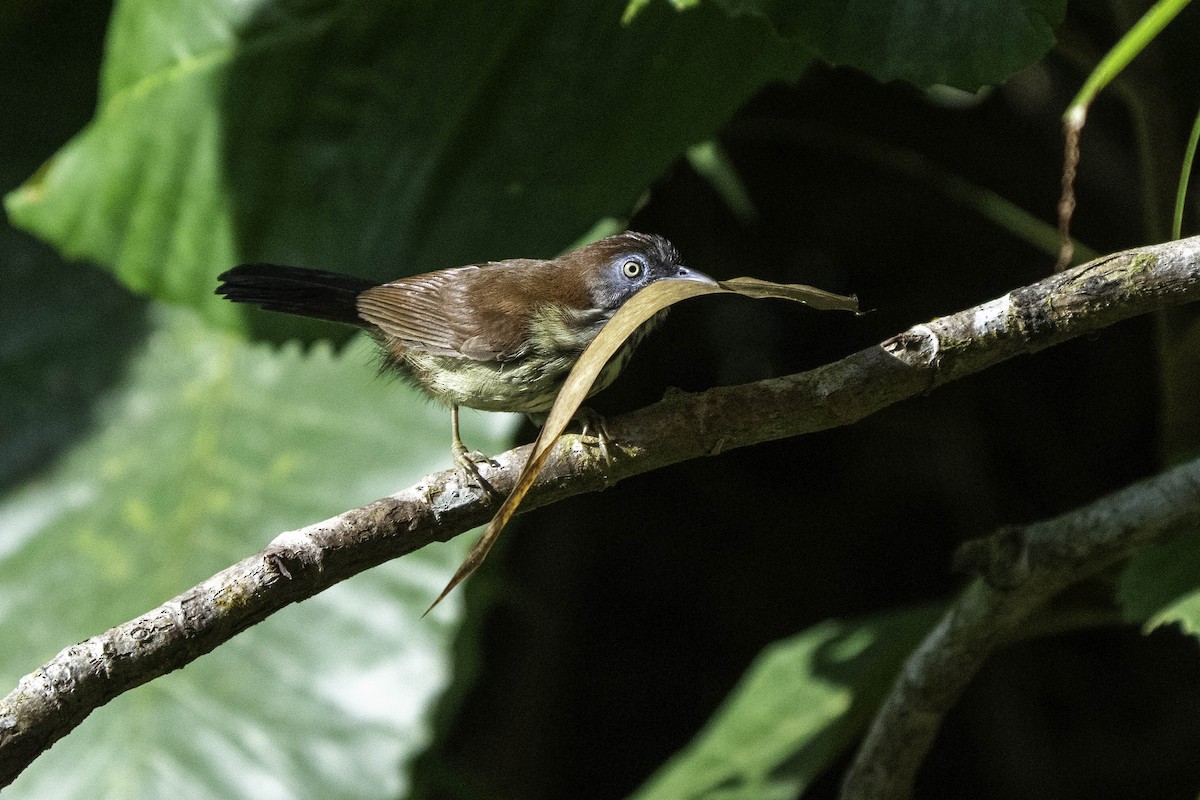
1131,45
380,139
797,708
962,43
64,343
1185,177
1184,611
206,449
711,162
1161,584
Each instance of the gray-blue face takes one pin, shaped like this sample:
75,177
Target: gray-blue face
646,258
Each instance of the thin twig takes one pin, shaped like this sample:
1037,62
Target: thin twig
1072,131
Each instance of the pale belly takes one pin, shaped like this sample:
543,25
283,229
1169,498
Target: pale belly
527,386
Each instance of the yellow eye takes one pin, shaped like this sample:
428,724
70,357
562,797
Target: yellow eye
632,269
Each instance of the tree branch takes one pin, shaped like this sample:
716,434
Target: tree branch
1020,568
51,701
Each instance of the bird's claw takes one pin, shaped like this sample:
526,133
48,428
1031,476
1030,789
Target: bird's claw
468,462
592,426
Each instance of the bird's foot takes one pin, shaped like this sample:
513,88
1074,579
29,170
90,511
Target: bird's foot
468,462
592,426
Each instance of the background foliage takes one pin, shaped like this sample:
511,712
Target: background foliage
145,442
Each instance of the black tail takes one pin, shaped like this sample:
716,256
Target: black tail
294,290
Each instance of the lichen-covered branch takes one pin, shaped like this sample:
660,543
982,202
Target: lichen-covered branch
55,698
1020,569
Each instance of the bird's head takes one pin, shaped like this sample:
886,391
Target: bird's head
617,267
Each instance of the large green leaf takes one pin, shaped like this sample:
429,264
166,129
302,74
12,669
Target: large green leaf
1183,611
203,451
380,138
1161,584
797,708
63,332
963,43
63,342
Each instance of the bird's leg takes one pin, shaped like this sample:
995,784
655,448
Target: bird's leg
591,426
468,460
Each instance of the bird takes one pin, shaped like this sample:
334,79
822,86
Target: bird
493,336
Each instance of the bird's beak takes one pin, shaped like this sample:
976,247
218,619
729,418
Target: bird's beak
688,274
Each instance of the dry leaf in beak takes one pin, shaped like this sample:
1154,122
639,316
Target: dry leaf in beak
631,316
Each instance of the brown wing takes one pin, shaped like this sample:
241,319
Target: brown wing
459,312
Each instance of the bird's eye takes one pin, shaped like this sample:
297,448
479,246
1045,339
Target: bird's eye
632,269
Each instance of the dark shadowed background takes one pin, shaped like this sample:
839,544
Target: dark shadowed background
606,629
